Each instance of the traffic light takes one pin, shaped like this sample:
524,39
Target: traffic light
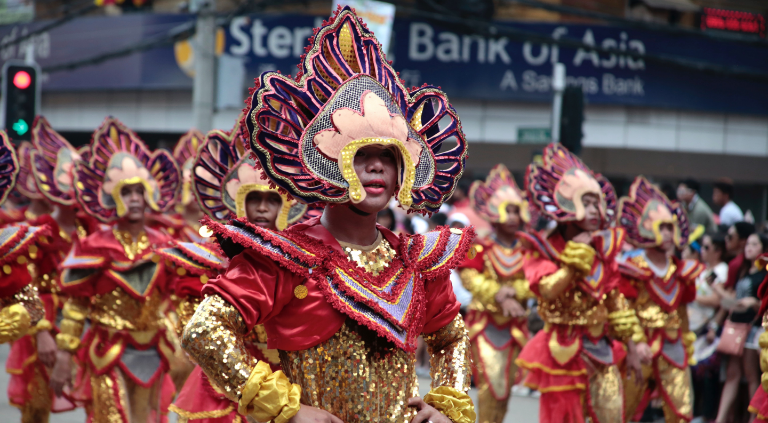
20,98
572,118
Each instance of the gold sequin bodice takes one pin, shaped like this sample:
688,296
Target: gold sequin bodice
574,308
350,376
118,310
651,315
374,258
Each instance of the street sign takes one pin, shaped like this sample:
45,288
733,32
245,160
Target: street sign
534,135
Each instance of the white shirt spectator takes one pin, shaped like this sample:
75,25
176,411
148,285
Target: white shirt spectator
730,214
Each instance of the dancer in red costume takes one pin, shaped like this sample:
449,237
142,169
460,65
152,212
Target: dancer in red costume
21,310
32,358
759,404
229,187
659,287
573,272
112,280
342,299
183,223
498,326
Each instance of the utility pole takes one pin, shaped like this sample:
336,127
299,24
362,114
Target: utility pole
558,86
204,88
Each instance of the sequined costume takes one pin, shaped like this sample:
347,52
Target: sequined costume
496,339
345,318
572,361
659,297
223,177
759,403
20,308
49,177
117,282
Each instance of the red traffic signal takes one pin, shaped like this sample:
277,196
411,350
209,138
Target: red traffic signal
22,80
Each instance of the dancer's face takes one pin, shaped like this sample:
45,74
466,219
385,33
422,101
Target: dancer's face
133,197
591,221
376,167
262,208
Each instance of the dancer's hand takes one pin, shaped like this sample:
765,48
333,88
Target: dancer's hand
634,366
46,348
61,375
644,353
427,413
309,414
511,308
504,292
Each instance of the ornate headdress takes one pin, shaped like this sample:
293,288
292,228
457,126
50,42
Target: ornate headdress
645,209
306,131
184,153
490,198
225,173
556,187
118,158
9,166
53,163
25,183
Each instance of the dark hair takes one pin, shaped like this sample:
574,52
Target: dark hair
725,187
692,184
439,219
744,229
391,214
718,242
763,240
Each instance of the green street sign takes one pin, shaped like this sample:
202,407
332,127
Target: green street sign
534,135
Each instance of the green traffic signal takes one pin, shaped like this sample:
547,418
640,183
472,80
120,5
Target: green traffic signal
21,127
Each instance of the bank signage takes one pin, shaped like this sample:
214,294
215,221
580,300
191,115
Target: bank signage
466,66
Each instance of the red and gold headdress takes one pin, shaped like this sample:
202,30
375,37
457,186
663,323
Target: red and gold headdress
53,163
25,183
118,158
184,153
305,131
225,173
645,209
9,166
490,198
556,187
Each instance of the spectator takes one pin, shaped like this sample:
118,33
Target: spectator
743,310
701,313
722,196
459,221
735,240
698,210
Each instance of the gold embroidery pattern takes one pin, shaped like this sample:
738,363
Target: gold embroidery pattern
450,362
374,259
132,248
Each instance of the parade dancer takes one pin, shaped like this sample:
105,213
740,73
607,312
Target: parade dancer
759,404
184,223
229,187
498,326
573,272
343,300
31,359
21,310
112,280
659,286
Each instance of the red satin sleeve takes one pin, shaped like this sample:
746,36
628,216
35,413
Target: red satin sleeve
442,306
255,285
536,268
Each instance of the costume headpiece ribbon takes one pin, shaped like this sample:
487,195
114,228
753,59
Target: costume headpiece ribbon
491,198
9,166
53,163
645,209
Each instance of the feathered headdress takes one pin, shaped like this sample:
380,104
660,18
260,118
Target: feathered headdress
491,198
556,186
184,153
225,173
118,158
25,182
53,163
306,131
645,209
9,166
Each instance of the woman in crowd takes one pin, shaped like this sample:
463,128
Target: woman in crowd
743,304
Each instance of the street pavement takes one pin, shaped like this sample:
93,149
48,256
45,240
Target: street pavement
521,409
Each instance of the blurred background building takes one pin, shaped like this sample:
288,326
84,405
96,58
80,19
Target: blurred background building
672,88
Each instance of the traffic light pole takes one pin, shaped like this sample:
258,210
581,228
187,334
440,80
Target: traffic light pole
558,86
204,88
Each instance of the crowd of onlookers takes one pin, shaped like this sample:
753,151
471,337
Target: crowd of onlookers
727,243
